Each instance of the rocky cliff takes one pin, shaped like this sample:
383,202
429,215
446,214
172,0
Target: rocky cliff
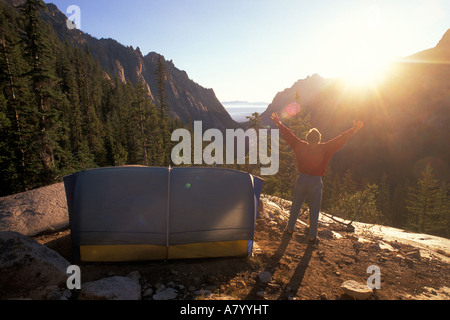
187,100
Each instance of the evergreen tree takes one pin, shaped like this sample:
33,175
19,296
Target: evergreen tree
39,53
12,151
144,119
348,186
440,218
399,211
164,135
421,201
255,121
59,113
331,189
384,198
358,205
254,124
89,76
161,79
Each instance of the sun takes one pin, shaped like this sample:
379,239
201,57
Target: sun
356,50
367,69
360,61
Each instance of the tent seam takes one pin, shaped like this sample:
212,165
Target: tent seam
167,213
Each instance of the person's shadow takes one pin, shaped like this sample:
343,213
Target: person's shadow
274,262
297,277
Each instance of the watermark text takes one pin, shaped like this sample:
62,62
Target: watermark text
238,143
74,20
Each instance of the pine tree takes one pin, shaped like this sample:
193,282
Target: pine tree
348,186
164,134
440,219
384,198
254,121
89,77
19,160
12,153
161,79
331,189
399,211
39,53
141,110
421,201
254,124
69,63
359,205
58,112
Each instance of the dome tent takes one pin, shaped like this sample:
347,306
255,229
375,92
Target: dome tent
149,213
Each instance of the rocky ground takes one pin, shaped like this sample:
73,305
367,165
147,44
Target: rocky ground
286,267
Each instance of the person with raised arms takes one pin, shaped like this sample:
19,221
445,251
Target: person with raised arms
312,157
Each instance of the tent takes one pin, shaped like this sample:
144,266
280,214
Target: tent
148,213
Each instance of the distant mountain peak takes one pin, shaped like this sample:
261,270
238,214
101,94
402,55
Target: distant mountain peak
445,41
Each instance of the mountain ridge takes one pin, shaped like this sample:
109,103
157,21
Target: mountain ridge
316,82
406,116
188,101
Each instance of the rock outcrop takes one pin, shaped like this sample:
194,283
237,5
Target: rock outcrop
36,211
27,268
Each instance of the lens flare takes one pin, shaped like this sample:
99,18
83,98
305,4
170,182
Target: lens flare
291,110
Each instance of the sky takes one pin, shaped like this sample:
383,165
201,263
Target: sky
249,50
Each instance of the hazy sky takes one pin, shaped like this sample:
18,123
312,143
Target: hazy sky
251,49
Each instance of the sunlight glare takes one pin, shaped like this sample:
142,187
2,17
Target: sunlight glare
358,48
367,69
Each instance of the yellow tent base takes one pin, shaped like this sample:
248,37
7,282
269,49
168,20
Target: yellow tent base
126,253
122,253
209,250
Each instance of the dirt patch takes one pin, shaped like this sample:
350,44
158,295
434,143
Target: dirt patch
298,269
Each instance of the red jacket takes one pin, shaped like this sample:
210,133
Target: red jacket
314,159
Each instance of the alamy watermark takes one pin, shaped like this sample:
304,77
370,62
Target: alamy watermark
74,280
237,142
374,281
74,20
